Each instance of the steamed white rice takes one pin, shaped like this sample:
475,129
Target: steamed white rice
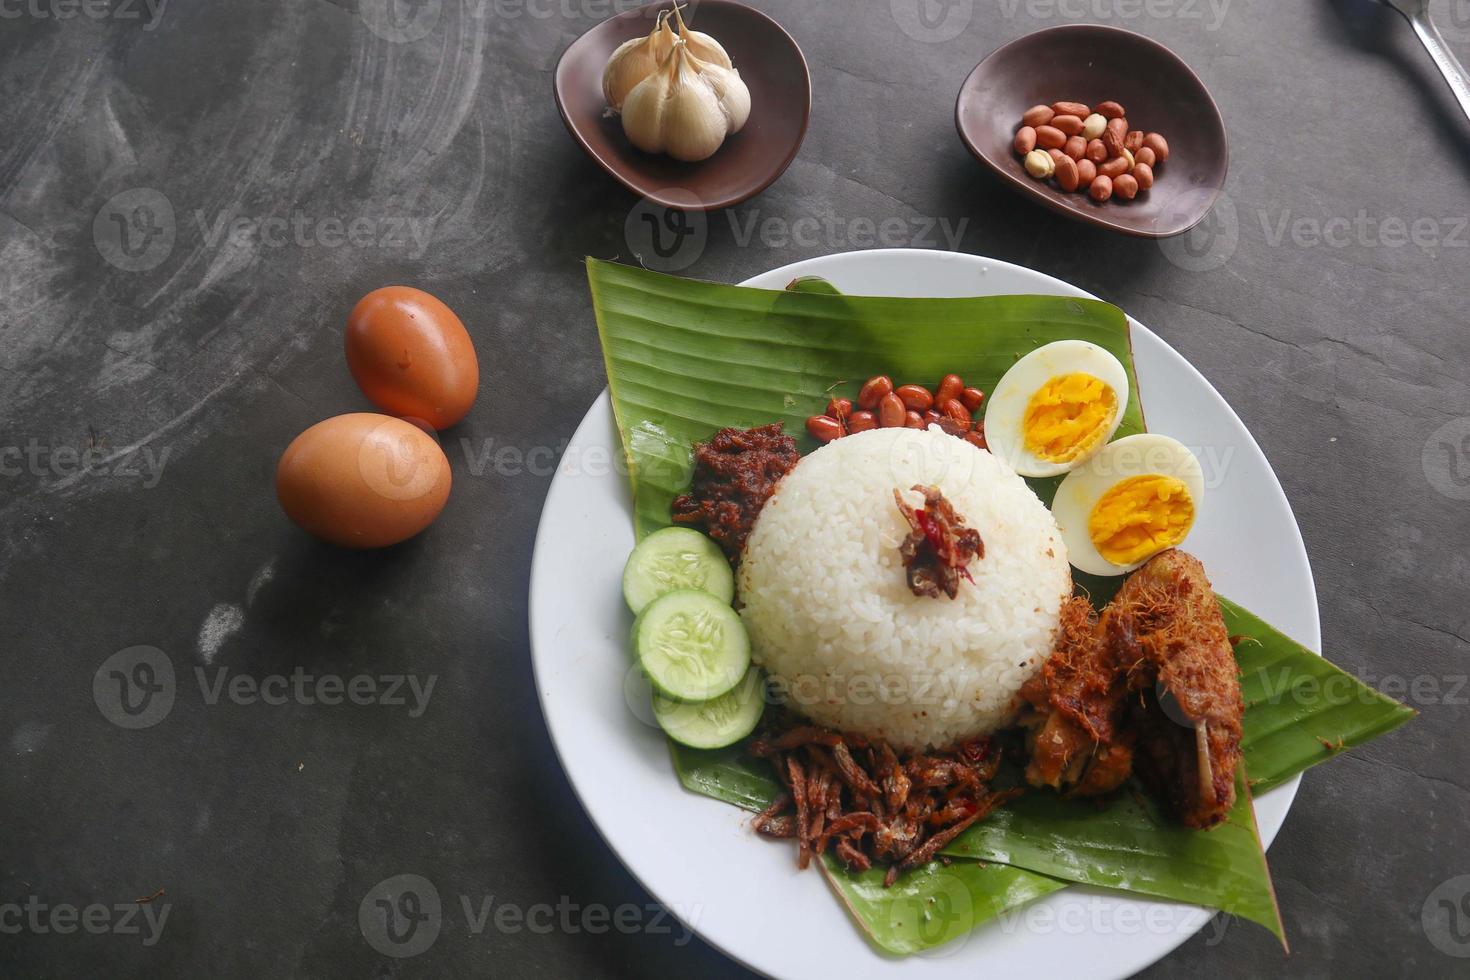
830,614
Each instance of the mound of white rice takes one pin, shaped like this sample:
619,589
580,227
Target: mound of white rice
833,621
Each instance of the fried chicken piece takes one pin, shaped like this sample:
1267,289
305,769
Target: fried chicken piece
1077,703
1166,628
1151,683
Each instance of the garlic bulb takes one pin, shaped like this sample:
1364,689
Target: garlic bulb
701,45
686,108
635,60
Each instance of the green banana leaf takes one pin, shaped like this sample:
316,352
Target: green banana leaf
933,905
1299,709
685,358
729,775
1130,845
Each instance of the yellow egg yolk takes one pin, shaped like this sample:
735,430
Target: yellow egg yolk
1139,517
1068,417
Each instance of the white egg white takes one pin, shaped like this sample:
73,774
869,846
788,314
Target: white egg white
1005,410
1141,455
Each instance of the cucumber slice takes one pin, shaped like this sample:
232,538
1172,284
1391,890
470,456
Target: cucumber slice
676,558
691,645
718,723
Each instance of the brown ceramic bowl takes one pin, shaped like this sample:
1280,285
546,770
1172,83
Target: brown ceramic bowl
770,64
1090,64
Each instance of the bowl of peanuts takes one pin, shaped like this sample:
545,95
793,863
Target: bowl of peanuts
1101,124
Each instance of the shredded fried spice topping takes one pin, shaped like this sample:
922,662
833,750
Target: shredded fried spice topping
938,546
735,473
857,798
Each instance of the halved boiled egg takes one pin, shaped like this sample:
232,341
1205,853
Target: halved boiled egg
1137,497
1056,407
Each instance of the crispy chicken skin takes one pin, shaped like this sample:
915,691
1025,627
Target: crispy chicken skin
1150,684
1165,625
1076,703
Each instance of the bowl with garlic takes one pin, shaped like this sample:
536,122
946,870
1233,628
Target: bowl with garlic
691,119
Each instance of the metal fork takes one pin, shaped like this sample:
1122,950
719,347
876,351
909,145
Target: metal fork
1416,12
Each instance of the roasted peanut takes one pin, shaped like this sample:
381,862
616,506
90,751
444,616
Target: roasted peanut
950,387
916,398
862,422
913,420
932,417
1037,115
1050,138
1040,165
1093,151
976,438
891,413
874,391
839,408
972,398
956,411
1071,125
824,428
1066,174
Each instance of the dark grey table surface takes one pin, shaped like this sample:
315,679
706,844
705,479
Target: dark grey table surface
156,356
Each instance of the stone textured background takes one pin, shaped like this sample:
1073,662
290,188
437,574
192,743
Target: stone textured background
184,363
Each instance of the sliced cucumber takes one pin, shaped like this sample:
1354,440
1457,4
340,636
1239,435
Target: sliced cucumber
691,645
718,723
676,558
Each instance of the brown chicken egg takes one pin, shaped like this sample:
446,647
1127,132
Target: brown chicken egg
363,480
412,356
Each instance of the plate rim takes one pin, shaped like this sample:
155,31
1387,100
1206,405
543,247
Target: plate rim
1287,790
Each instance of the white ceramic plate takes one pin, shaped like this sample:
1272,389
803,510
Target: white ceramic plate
698,856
